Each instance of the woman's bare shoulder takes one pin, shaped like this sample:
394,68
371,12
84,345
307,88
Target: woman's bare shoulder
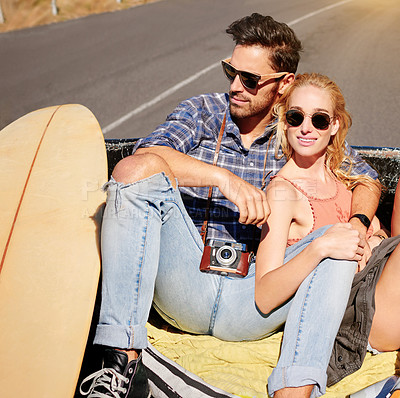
281,188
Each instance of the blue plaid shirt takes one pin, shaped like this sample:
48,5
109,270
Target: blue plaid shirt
193,129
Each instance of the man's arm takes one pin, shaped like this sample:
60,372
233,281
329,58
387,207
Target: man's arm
365,198
365,201
251,201
189,172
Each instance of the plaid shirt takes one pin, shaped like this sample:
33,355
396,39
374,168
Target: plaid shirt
193,129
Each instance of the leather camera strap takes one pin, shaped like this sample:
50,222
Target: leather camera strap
203,231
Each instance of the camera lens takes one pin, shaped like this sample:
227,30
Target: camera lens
226,255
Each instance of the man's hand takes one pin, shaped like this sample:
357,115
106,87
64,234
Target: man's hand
365,200
361,228
370,245
358,226
251,201
190,172
367,254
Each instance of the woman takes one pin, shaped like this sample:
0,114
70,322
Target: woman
313,190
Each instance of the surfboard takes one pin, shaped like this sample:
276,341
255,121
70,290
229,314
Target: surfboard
53,165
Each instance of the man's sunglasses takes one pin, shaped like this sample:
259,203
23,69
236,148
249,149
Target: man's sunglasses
320,120
248,79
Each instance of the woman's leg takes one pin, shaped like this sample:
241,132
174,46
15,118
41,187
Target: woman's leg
235,315
385,331
311,327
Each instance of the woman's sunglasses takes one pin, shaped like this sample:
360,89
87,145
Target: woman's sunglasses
248,79
319,120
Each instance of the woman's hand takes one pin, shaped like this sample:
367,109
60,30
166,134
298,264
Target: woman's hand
341,242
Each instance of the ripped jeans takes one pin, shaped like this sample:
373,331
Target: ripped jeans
151,253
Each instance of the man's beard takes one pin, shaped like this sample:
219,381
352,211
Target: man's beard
253,109
238,112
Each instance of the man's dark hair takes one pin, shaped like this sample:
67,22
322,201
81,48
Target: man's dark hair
264,31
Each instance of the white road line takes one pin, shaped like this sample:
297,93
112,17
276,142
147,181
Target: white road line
158,98
311,14
189,80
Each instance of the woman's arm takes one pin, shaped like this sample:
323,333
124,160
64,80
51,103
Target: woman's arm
276,282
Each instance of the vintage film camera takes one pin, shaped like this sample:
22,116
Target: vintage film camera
225,257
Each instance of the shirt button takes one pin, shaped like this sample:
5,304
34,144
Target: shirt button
251,164
243,227
340,358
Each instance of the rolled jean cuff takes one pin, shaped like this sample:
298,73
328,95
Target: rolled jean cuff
120,337
297,376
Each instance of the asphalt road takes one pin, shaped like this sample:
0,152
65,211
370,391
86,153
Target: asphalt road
132,67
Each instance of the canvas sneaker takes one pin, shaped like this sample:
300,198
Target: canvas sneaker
118,378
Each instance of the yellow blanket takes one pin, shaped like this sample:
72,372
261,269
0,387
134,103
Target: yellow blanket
243,368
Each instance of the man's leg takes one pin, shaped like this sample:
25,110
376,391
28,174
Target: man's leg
315,314
236,317
207,303
312,317
130,244
135,215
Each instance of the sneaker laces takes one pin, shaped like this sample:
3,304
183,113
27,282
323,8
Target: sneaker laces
110,380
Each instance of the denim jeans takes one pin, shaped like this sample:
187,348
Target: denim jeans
151,253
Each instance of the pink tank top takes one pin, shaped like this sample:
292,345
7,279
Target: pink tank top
326,211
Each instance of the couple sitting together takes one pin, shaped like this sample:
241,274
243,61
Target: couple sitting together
285,237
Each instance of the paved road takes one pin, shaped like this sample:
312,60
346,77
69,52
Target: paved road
132,67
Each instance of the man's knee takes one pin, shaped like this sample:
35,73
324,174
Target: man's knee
139,166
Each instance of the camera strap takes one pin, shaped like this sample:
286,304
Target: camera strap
203,232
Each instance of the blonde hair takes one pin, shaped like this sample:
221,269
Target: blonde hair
336,159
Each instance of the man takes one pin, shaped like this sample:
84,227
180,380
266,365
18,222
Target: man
151,245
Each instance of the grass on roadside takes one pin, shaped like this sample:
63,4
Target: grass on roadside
20,14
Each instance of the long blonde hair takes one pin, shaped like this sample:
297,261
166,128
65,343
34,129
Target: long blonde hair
336,159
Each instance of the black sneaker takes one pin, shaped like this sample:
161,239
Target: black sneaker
118,378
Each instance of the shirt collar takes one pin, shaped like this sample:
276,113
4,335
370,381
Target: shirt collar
232,128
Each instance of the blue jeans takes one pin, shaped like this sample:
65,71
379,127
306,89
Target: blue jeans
151,253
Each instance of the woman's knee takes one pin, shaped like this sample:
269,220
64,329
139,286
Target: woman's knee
139,166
